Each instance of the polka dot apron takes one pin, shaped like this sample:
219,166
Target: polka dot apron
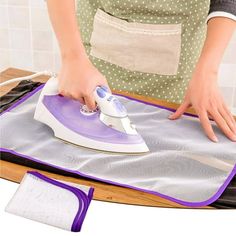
144,47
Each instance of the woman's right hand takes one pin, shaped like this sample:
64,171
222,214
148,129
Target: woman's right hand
78,79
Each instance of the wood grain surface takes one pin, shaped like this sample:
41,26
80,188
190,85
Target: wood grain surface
103,191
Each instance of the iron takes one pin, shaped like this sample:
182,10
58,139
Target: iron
107,128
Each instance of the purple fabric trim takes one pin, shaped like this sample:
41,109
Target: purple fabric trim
25,97
181,202
90,194
185,203
81,196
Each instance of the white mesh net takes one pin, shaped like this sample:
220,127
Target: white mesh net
182,164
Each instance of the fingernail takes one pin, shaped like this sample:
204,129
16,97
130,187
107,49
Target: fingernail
234,138
215,139
170,116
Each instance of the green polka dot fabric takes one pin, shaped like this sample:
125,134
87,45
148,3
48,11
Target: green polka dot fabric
190,14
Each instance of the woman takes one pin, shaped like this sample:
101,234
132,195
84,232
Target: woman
155,48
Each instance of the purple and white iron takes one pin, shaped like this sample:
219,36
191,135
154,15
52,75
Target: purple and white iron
107,128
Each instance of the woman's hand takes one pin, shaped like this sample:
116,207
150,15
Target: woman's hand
205,97
78,79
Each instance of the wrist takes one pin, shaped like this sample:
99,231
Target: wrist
208,64
72,48
74,53
205,71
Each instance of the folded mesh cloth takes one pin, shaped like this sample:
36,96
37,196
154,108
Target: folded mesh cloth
57,203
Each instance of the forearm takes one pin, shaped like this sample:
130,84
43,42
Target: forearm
203,92
219,33
63,18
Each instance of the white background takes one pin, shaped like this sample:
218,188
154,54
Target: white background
118,219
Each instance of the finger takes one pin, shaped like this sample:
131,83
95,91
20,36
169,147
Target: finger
180,111
221,123
77,98
205,122
90,102
228,119
64,94
81,100
230,115
228,111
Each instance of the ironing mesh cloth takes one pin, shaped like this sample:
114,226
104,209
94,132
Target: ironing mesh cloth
57,203
183,165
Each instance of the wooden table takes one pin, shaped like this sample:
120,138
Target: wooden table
103,191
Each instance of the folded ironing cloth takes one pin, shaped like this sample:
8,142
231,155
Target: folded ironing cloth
50,201
182,166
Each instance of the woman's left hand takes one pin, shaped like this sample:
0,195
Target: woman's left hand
204,96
